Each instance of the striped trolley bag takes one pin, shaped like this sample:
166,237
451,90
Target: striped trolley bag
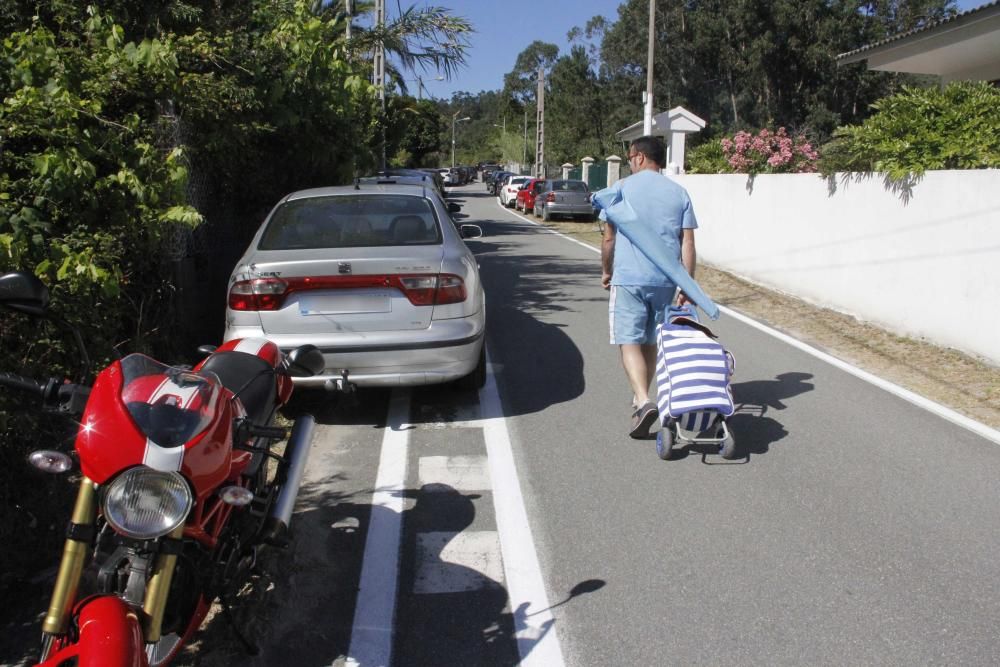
693,371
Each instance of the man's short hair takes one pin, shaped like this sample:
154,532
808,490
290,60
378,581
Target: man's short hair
652,148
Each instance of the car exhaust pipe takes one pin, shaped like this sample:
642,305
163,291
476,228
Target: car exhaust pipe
296,454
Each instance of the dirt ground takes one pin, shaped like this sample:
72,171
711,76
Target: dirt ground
951,378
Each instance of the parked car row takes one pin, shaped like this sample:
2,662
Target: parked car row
376,275
458,175
547,199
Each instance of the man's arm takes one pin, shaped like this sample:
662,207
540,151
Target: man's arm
607,254
689,258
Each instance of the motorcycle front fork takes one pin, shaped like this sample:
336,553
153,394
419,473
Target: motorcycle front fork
78,544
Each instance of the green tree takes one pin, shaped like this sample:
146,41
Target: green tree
417,132
575,111
521,83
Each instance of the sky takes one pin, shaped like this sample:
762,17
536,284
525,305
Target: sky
504,29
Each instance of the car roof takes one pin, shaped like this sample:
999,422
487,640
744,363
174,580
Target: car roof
367,186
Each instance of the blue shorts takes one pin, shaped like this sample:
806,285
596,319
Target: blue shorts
635,310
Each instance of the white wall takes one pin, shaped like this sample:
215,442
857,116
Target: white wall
924,266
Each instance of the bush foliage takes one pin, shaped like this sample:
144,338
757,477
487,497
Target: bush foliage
103,119
918,129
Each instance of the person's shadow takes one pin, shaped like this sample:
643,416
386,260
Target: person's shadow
452,614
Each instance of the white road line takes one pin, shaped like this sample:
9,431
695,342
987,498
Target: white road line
374,614
936,408
534,625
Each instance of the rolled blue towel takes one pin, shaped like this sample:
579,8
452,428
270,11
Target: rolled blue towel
623,217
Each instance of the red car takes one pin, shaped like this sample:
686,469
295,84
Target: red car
526,196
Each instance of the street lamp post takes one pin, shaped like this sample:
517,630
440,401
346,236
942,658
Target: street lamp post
455,119
421,87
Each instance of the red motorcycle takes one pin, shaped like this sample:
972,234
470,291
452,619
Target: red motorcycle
181,486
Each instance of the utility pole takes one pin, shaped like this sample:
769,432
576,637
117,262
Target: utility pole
380,73
540,127
524,155
454,121
349,10
647,115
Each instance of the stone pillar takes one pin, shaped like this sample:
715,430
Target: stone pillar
565,170
614,169
675,153
587,162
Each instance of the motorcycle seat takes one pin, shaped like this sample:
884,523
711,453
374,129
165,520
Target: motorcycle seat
250,378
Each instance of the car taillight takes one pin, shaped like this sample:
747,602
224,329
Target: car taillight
257,294
550,197
421,290
433,290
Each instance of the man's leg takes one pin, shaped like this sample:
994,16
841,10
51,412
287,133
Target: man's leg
639,362
639,366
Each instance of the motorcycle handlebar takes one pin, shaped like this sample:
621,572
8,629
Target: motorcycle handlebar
55,395
22,383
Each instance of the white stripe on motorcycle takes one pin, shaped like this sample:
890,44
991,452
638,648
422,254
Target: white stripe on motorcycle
168,459
164,459
250,345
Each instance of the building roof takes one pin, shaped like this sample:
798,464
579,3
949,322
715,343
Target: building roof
962,47
677,119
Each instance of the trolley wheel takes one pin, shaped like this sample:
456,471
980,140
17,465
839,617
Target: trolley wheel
665,442
728,447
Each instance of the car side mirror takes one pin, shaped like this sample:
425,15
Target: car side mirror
305,361
24,292
471,231
453,207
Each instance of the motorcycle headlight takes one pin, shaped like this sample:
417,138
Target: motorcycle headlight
144,504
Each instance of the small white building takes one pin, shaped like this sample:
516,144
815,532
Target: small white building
673,126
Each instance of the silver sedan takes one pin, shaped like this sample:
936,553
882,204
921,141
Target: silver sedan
564,197
376,275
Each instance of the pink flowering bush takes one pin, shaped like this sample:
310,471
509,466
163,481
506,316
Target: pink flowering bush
769,153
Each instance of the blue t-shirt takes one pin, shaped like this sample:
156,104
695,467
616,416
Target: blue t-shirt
661,203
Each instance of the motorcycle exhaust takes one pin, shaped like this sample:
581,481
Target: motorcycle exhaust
296,454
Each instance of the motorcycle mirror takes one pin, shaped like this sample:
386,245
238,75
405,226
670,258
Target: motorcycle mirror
23,292
305,361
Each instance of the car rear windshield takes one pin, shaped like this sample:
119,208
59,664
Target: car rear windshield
351,221
568,186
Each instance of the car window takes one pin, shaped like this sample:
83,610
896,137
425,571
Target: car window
517,181
351,221
570,186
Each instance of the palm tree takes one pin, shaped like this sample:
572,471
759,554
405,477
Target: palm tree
424,38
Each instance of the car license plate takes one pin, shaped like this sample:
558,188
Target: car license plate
345,304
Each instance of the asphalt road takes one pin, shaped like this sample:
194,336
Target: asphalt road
856,529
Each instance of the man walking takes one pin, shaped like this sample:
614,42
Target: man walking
640,292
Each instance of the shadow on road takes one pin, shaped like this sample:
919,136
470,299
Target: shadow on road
755,431
529,294
452,614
